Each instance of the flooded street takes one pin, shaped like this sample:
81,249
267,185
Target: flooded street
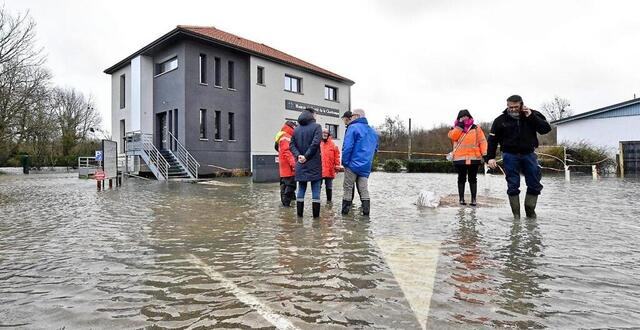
226,255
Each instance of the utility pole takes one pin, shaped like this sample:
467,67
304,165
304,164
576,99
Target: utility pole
409,153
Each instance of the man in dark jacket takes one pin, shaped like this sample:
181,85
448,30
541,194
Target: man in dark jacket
515,130
359,146
305,146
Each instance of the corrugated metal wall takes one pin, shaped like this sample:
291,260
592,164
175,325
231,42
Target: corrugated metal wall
632,110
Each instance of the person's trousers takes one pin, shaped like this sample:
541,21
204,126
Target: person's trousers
328,183
287,189
527,164
315,190
350,180
470,171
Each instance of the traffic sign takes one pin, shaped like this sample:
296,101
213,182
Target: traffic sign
98,155
99,175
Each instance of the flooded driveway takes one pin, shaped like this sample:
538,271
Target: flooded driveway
180,255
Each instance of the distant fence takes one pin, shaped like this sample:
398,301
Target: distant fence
629,157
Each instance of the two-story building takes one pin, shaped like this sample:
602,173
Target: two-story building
220,99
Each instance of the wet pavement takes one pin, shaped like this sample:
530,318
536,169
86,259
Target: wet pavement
226,255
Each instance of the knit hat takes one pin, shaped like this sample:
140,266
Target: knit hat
464,112
347,114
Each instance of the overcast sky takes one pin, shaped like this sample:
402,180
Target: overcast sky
419,59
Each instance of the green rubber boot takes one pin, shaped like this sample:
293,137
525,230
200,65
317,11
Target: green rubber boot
514,201
530,202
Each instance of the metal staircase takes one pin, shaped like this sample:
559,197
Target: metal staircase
176,171
164,164
140,144
182,156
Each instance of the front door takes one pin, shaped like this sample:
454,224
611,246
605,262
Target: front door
162,131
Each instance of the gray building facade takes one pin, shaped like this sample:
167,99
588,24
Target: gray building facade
199,85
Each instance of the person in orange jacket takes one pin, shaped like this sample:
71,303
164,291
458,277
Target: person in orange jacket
330,161
470,146
286,163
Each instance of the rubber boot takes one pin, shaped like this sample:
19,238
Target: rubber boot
286,200
514,201
329,194
316,209
346,206
461,193
366,207
300,207
474,191
530,202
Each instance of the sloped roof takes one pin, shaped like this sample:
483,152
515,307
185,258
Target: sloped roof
211,34
598,112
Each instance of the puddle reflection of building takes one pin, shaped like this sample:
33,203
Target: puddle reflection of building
470,275
522,278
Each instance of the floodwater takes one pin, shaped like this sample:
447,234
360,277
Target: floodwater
182,255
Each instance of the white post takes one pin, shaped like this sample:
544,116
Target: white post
594,171
567,174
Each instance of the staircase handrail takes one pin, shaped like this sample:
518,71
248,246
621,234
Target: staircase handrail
185,158
138,141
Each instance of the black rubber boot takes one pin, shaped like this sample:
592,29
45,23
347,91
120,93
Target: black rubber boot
316,209
300,207
461,193
346,206
530,202
366,207
474,192
286,201
329,194
514,201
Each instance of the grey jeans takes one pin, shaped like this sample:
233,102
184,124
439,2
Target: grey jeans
351,179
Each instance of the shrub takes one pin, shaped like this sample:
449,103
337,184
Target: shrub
392,165
421,166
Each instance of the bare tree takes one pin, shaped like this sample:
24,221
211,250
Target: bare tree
22,78
75,115
556,109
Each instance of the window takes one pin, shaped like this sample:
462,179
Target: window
122,92
232,132
231,76
218,135
167,66
292,84
333,130
203,123
203,68
123,135
330,93
217,73
260,76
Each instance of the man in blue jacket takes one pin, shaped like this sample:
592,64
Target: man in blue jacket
359,146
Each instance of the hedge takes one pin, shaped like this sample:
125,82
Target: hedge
421,166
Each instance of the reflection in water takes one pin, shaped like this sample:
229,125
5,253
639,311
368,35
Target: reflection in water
120,259
521,286
469,269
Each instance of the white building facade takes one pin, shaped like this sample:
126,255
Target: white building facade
605,127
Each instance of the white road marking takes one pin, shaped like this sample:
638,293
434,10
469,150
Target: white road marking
414,266
262,309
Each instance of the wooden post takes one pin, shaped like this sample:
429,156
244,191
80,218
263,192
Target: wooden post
98,184
110,184
409,152
567,174
594,172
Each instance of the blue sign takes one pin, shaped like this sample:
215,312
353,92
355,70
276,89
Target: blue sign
98,155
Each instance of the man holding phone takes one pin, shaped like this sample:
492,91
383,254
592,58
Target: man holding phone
515,130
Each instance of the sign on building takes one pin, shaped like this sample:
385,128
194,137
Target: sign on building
299,106
110,159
